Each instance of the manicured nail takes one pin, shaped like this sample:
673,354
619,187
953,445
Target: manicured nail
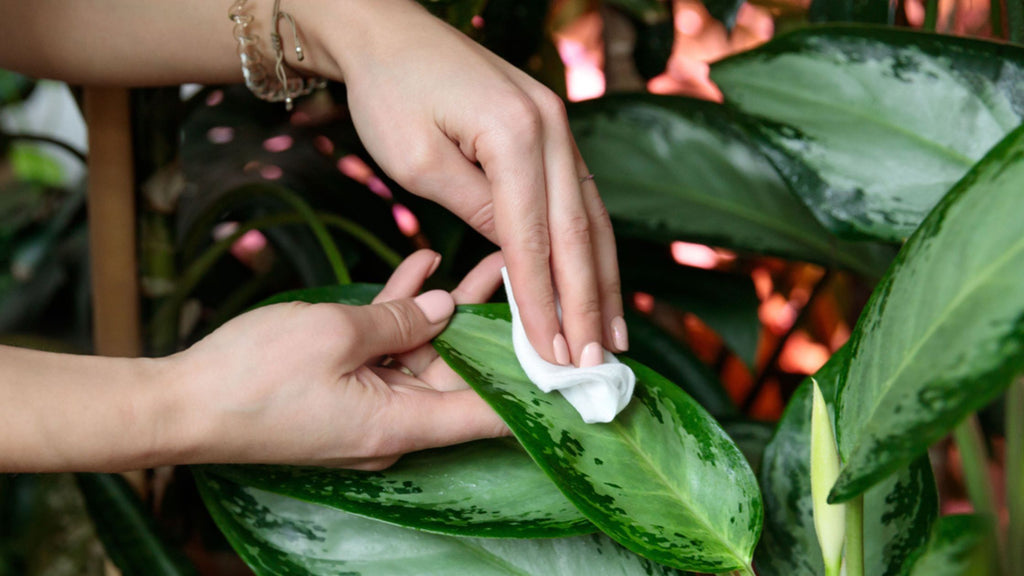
561,350
437,305
619,334
592,355
433,267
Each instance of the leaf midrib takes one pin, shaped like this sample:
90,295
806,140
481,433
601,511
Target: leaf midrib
970,287
868,118
672,491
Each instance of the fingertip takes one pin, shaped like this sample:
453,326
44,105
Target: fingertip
436,305
620,334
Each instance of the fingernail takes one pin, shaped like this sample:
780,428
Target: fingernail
561,350
620,337
433,267
592,355
437,305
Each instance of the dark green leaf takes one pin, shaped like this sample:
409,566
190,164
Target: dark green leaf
14,87
724,11
943,333
897,513
485,489
128,532
281,536
664,354
653,48
725,302
865,11
643,10
868,124
961,544
751,438
662,479
672,168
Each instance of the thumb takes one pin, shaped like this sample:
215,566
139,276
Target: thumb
398,326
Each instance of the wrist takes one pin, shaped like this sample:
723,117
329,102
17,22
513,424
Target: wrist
171,407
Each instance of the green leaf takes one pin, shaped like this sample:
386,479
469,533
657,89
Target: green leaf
829,519
943,333
750,437
485,489
864,11
652,346
128,532
281,536
643,10
726,302
662,479
868,125
672,168
960,544
898,513
724,11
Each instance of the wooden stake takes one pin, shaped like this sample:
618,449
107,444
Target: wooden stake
112,226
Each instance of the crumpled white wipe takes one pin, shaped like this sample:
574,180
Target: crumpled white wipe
598,393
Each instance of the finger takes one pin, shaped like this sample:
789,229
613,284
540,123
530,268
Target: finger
481,282
572,251
513,161
428,419
395,326
616,336
440,376
476,287
408,278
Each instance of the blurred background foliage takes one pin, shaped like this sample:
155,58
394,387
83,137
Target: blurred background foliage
235,194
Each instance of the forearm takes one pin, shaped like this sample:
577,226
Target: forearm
147,42
84,413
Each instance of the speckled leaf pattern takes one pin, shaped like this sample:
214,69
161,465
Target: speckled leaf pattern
881,122
489,488
961,545
662,479
281,536
673,168
898,513
943,333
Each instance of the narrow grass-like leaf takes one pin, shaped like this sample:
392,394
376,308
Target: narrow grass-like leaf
943,334
128,532
868,124
662,479
672,168
281,536
489,488
898,513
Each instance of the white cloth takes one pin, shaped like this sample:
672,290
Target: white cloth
598,393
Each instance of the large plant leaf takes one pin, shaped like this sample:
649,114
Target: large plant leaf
662,479
960,544
661,352
673,168
878,117
128,532
726,302
279,536
485,489
943,334
898,513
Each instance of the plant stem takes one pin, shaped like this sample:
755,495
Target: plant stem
974,460
320,231
995,18
1015,477
855,536
382,250
39,138
931,15
1015,20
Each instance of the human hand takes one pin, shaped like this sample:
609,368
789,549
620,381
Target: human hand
301,383
454,123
